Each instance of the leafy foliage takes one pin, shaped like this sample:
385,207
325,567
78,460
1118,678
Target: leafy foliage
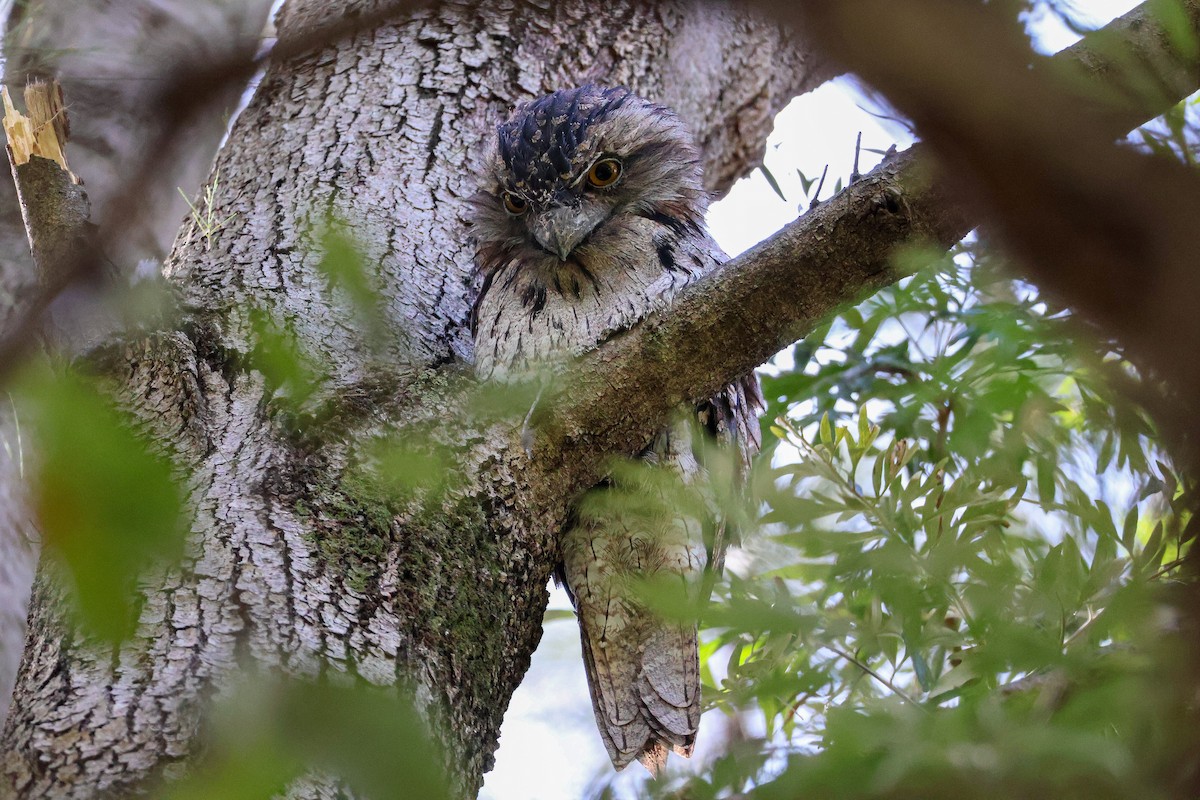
962,562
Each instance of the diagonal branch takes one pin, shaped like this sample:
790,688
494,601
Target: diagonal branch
735,319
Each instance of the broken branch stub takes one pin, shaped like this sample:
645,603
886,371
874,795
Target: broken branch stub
54,204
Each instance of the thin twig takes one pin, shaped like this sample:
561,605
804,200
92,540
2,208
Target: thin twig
816,201
1165,568
900,692
854,173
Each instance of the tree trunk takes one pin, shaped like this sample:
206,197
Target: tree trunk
107,57
295,561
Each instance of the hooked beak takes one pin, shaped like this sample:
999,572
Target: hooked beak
562,228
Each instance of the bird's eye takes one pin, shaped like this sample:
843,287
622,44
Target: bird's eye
515,204
604,172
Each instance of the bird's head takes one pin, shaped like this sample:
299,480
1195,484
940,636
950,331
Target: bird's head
569,169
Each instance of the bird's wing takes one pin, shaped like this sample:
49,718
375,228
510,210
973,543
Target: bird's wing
731,418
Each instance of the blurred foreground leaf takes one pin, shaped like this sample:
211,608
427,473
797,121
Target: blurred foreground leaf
107,505
343,266
270,733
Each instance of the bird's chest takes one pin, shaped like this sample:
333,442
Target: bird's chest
554,310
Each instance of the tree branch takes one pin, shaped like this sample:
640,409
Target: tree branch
1027,144
730,322
775,293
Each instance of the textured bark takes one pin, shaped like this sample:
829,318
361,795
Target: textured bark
107,55
296,561
18,540
54,205
111,57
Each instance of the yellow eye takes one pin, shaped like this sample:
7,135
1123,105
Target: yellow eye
514,204
604,172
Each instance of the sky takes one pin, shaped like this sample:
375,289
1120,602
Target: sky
549,746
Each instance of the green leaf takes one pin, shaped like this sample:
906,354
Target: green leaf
405,464
108,505
1046,480
277,354
920,667
1151,555
343,267
826,437
1103,520
1106,551
805,182
774,184
1128,530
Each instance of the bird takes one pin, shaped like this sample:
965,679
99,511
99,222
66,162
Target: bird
590,217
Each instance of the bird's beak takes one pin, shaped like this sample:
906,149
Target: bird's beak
562,228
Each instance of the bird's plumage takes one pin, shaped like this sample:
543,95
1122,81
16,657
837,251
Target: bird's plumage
589,219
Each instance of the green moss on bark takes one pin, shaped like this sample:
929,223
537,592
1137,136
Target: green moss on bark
352,526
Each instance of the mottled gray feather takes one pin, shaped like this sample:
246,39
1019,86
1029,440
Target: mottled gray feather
619,253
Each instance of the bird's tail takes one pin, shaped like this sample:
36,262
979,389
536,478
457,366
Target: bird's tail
645,688
643,668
